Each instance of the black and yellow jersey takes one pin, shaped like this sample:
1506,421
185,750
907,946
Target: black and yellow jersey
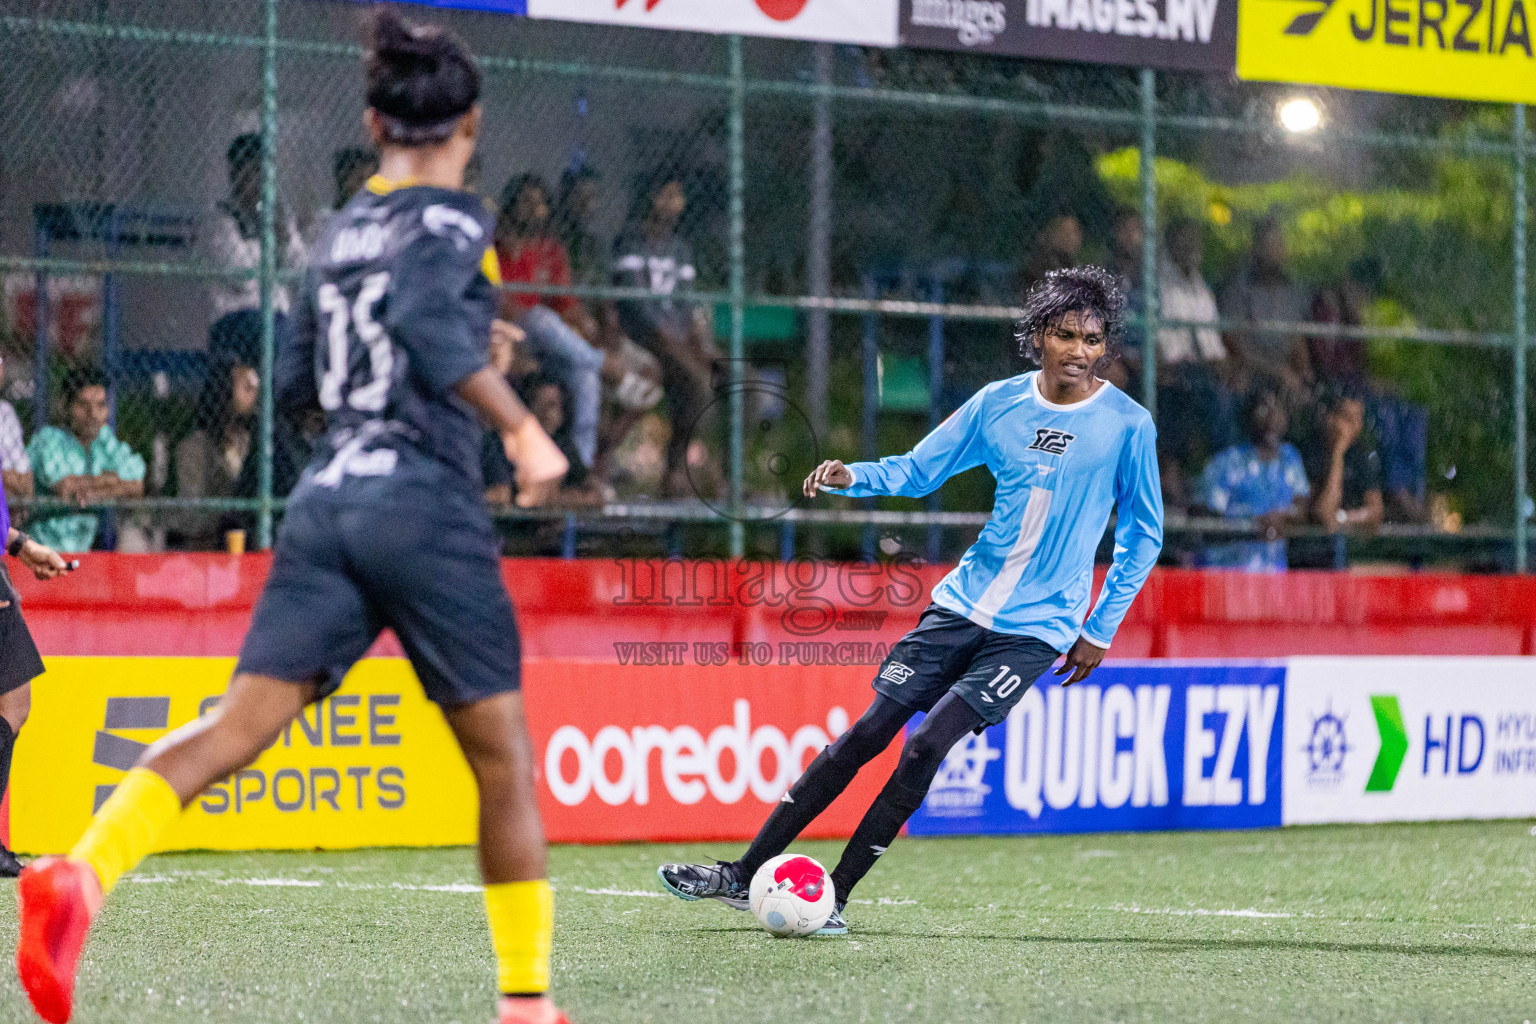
395,311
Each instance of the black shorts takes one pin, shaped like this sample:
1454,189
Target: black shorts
990,671
19,661
422,563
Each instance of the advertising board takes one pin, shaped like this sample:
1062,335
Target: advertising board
668,751
1190,35
1470,49
867,22
374,765
1410,739
1135,748
688,743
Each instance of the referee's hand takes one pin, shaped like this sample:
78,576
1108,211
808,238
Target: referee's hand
1082,659
831,474
44,562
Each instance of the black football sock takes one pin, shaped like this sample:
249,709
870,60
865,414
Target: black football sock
7,744
828,775
903,794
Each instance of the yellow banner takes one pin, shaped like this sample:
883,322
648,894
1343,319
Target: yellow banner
375,765
1459,49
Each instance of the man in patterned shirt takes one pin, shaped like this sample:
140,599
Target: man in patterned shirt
84,464
1262,479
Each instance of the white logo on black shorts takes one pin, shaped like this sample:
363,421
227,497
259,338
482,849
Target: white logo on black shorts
1052,442
897,673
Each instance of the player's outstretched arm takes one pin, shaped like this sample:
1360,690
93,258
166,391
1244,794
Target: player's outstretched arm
953,447
539,464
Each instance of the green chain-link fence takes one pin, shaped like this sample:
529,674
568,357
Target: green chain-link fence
862,223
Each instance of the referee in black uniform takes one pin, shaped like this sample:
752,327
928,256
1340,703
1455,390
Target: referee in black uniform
19,661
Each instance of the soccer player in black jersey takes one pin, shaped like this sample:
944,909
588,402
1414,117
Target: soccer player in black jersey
386,529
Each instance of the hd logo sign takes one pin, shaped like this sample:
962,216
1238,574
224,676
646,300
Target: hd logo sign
1409,739
1458,49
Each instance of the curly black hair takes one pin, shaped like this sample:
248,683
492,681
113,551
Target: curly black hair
1086,290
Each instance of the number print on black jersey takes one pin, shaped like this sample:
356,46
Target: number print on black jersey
349,320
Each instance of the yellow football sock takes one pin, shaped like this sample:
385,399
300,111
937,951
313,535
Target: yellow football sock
125,829
522,916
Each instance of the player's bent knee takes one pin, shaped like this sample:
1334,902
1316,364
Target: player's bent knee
923,748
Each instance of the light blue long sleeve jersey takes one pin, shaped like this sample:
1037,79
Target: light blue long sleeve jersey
1059,470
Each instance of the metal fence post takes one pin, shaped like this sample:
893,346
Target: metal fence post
819,248
1522,489
1149,297
737,159
268,272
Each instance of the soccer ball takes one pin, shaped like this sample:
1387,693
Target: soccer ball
792,896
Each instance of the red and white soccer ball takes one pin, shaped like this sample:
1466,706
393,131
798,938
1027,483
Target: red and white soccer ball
792,896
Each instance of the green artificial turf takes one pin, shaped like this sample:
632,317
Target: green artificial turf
1392,923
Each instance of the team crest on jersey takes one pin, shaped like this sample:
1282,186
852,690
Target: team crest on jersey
1052,442
439,219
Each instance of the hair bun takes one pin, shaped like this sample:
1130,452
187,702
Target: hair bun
419,76
399,43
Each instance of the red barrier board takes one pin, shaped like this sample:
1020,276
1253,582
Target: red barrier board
625,610
687,753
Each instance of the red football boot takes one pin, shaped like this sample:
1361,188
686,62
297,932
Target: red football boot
529,1011
58,898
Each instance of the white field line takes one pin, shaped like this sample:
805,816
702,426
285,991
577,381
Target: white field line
1202,912
646,893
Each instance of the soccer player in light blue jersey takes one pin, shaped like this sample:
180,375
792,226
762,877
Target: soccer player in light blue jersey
1066,447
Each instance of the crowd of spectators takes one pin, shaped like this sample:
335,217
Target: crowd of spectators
1261,416
1264,413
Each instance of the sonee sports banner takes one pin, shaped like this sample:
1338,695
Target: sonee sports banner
1458,49
1190,35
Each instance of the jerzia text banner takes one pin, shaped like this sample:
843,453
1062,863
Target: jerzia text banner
1459,49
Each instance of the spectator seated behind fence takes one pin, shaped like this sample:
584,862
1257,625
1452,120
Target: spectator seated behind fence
574,223
548,401
650,254
1058,246
231,240
211,460
1194,398
1266,292
1400,428
631,376
1262,479
351,167
83,464
1343,466
15,465
529,252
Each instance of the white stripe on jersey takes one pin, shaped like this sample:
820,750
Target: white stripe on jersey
1031,526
